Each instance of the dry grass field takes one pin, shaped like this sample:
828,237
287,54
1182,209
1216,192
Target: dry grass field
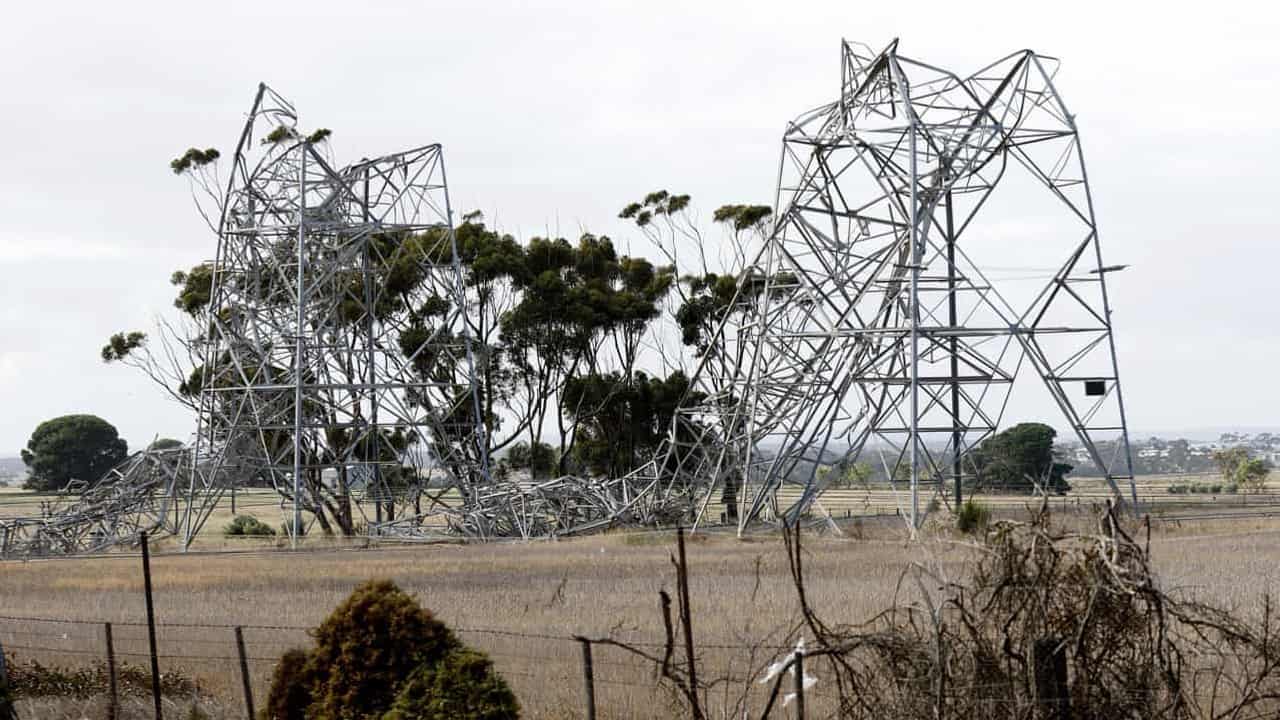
522,602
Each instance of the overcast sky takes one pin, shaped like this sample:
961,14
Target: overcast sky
554,116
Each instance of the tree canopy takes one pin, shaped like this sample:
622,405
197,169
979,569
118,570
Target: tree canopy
1020,458
561,335
71,447
1238,466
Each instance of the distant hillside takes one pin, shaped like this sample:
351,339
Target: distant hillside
12,469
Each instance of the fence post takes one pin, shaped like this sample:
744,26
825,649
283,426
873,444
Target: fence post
151,624
244,674
113,690
797,670
7,711
1049,661
686,622
588,677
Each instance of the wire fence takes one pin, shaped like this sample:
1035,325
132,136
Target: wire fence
545,670
553,674
548,672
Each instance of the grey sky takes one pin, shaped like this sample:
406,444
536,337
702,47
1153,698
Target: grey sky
555,116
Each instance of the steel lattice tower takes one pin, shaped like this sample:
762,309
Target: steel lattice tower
887,316
337,351
872,322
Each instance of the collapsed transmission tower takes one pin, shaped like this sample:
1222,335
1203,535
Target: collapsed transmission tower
934,240
337,358
889,312
139,494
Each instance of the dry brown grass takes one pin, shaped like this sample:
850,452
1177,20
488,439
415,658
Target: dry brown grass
741,595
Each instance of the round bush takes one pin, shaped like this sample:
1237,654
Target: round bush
368,647
972,516
290,692
248,525
462,686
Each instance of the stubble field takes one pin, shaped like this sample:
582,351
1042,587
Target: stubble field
523,603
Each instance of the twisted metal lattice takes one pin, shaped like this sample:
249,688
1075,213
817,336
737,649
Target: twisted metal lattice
885,317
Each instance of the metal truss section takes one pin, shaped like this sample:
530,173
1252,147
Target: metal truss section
934,243
337,359
139,494
558,507
889,313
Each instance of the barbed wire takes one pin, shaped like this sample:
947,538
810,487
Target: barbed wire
499,632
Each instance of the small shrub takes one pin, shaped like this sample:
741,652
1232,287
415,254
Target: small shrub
1177,489
29,678
286,529
368,646
381,655
290,692
972,516
461,686
7,711
1231,488
248,525
1215,489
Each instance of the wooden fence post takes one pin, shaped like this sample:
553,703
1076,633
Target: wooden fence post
151,624
244,674
686,622
588,677
113,690
1052,696
797,669
7,711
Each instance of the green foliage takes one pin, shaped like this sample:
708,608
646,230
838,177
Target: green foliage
193,158
1203,489
121,344
1020,457
195,288
319,136
622,420
31,679
656,203
1240,468
380,655
711,298
856,475
248,525
290,692
742,217
71,447
972,517
279,135
709,301
286,528
367,647
461,686
165,444
1253,474
540,459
